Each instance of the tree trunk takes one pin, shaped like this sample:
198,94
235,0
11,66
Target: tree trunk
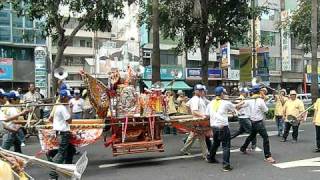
204,45
314,45
204,63
156,42
57,63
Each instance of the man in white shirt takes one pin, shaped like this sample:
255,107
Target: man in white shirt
217,111
77,104
244,119
258,108
198,108
60,121
13,131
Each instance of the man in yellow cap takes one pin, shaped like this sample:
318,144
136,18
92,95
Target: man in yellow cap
316,122
278,112
292,112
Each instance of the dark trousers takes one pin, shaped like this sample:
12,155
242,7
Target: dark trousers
245,127
318,136
279,122
221,136
258,127
62,155
208,143
295,130
11,139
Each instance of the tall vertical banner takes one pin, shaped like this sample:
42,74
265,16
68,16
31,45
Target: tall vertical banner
225,53
6,69
285,43
245,60
41,79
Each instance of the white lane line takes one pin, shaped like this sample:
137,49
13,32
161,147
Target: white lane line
270,133
312,162
164,159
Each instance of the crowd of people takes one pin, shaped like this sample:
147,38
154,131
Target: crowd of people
14,109
250,108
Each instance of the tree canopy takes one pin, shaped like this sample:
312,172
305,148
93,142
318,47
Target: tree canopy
203,23
90,15
300,24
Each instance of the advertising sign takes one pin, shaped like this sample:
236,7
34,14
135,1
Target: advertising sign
285,44
225,53
6,69
166,73
195,74
40,55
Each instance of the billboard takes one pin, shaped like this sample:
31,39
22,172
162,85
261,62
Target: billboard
245,62
225,53
6,69
195,74
285,43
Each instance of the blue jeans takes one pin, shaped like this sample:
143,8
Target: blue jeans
21,135
64,154
11,139
245,127
221,136
77,115
280,123
258,127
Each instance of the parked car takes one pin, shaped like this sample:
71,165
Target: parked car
306,99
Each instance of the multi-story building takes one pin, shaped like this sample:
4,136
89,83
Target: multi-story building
285,56
18,38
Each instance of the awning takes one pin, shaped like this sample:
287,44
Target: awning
177,85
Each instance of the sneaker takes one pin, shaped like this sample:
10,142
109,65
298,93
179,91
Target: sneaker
244,151
253,148
317,150
227,168
23,145
185,153
294,141
283,140
270,160
213,161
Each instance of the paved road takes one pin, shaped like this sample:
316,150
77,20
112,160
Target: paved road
170,165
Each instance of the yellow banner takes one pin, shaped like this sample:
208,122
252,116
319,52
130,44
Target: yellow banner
309,69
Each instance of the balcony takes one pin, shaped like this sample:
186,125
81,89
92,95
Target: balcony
73,69
81,51
83,33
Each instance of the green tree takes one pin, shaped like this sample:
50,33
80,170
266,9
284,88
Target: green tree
304,27
91,15
202,23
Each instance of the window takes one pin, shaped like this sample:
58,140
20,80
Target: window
5,34
17,21
74,77
4,18
82,43
17,35
275,64
296,65
234,62
89,44
28,23
17,53
168,58
40,39
268,38
29,36
272,15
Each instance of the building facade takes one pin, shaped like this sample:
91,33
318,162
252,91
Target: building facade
18,38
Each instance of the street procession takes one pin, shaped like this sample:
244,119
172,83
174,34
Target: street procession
159,89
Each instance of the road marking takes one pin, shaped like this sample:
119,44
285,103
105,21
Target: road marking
313,162
164,159
270,133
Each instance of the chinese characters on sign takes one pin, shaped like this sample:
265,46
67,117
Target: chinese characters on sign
40,56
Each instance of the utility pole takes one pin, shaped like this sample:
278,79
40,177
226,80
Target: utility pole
156,42
254,51
314,49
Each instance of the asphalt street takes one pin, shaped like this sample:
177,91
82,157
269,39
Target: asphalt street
171,165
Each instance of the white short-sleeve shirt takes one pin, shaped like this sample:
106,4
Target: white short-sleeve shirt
60,117
77,105
197,103
220,117
258,108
